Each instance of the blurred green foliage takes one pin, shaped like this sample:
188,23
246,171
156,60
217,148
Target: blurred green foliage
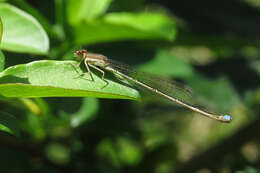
53,118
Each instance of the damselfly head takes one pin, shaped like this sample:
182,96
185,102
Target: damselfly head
80,53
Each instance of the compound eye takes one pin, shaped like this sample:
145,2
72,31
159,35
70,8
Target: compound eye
81,52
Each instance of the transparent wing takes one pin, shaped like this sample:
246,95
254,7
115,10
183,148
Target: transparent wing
170,87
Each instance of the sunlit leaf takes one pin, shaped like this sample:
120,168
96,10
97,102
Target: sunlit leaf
1,30
125,26
59,79
86,9
22,33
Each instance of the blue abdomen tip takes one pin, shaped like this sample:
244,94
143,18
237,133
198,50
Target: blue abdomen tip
227,117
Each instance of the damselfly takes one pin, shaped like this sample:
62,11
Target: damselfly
101,63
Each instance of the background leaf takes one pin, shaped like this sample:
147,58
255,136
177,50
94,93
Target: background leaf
2,61
22,32
88,110
86,9
125,26
215,94
165,64
1,30
8,123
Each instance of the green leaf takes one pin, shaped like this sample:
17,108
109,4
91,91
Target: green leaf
86,9
8,123
214,94
22,32
86,112
249,170
165,64
34,125
30,8
255,65
1,30
60,79
2,61
125,26
107,151
128,152
58,153
120,151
